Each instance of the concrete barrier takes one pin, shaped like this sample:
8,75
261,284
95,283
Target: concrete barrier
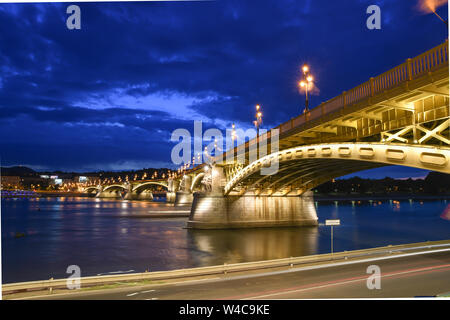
220,269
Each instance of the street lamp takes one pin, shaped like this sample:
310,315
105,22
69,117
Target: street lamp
206,155
215,147
233,133
427,6
306,84
258,120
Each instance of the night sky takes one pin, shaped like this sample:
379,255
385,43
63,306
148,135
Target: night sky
108,96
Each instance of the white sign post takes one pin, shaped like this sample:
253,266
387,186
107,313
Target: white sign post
332,223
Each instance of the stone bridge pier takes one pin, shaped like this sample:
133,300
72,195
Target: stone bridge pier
214,210
171,190
184,196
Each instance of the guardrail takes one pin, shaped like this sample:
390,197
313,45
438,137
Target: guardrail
409,70
220,269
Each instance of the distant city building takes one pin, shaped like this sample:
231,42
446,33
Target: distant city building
82,179
34,182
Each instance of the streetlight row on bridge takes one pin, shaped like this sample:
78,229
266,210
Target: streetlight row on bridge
306,83
119,179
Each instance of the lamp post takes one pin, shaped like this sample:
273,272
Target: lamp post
233,133
206,155
258,120
306,84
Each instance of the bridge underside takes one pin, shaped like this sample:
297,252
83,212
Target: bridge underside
142,190
303,168
295,177
114,192
91,190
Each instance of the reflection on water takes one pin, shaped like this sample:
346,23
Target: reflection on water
242,245
41,237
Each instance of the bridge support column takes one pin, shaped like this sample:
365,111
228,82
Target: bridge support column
215,211
130,195
170,197
185,196
114,194
171,190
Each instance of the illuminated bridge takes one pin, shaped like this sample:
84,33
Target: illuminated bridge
134,190
400,117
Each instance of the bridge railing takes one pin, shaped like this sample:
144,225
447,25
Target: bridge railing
361,92
409,70
430,60
390,78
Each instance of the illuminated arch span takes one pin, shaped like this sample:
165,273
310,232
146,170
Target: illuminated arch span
91,188
114,187
303,168
144,185
198,178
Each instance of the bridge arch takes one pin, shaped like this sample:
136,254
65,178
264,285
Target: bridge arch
198,178
114,187
91,189
145,185
305,167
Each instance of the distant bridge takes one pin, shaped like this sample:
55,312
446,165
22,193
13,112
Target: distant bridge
134,190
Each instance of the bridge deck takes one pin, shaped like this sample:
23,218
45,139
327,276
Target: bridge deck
413,93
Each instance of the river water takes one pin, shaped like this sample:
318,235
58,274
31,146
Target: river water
41,237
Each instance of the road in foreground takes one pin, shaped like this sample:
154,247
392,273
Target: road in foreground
411,275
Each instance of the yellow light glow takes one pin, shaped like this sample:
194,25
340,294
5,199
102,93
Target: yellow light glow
302,83
309,78
428,6
305,68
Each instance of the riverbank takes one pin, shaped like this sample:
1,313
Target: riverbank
18,194
63,194
38,194
376,197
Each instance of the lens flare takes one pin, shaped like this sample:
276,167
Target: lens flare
429,6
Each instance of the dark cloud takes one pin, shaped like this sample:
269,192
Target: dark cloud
114,91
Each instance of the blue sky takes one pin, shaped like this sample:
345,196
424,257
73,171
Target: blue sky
108,96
